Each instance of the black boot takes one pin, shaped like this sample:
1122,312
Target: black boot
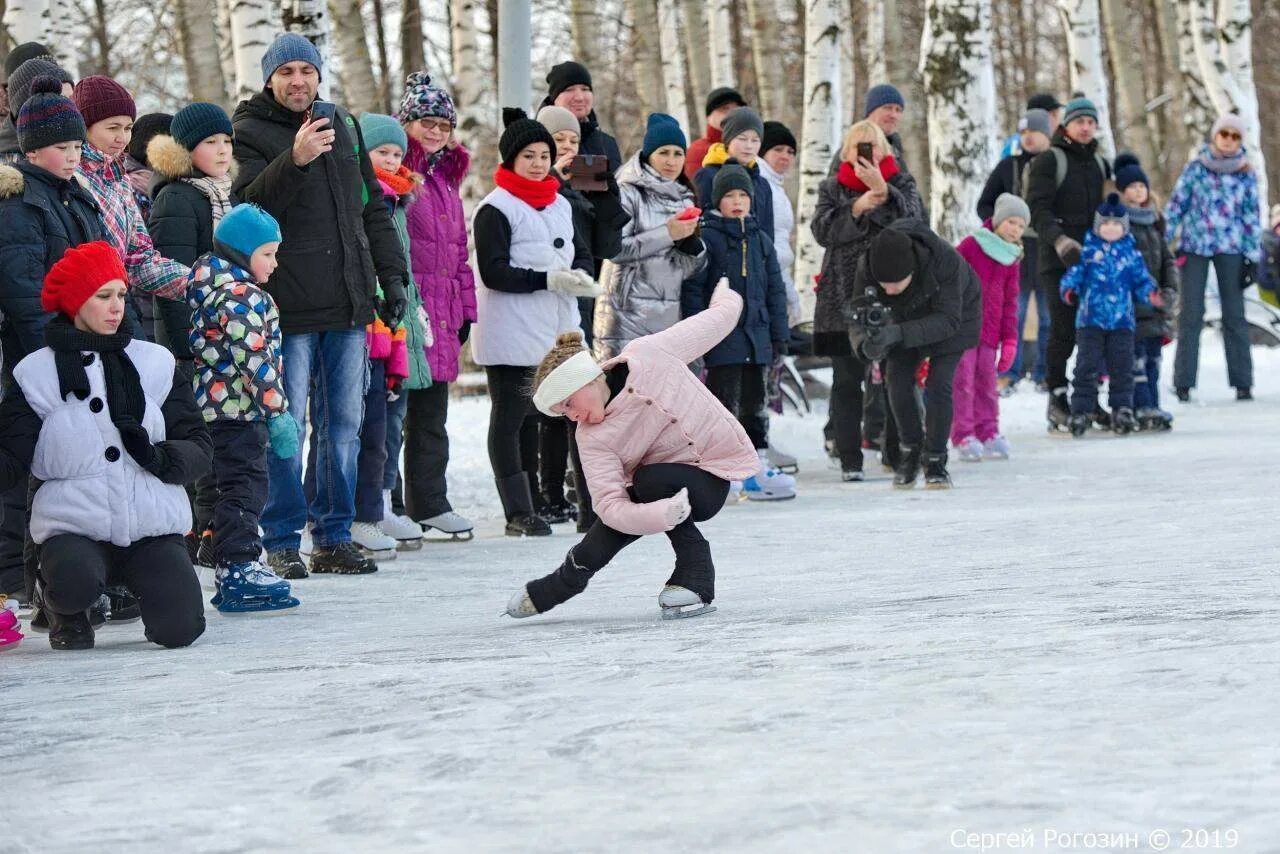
935,472
1184,394
341,559
908,469
125,607
70,631
556,512
1058,412
517,504
1079,425
1244,393
1124,423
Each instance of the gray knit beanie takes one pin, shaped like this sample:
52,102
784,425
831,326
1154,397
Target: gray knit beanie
739,122
1008,205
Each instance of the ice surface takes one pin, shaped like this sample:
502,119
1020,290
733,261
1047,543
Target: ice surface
1085,638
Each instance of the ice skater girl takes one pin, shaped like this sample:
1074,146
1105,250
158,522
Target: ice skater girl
658,450
112,431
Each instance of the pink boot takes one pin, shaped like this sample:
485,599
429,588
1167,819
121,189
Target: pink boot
9,634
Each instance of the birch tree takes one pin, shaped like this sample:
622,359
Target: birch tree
823,22
202,65
474,125
646,59
226,48
309,18
875,45
253,26
959,88
720,41
26,19
412,54
1197,110
359,88
586,36
64,35
1126,59
1081,21
762,16
672,63
696,48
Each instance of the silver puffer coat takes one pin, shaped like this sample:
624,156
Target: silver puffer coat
642,282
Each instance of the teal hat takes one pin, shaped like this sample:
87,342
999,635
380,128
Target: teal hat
379,129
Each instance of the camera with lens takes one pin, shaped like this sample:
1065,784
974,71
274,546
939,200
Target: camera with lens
870,313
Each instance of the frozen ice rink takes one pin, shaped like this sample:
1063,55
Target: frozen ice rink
1085,639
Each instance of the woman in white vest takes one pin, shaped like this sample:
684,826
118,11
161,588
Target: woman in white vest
532,270
112,432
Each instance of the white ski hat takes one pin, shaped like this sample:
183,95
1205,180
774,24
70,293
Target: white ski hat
569,376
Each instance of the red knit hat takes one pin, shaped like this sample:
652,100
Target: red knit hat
100,97
78,274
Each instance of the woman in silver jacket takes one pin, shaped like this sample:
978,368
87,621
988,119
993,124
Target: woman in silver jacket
659,248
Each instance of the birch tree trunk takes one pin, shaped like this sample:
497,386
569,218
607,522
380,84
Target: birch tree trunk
359,87
586,31
696,49
875,46
1081,21
646,59
253,26
672,63
959,88
413,55
1126,58
203,65
226,49
474,127
720,39
762,17
823,22
1197,111
310,18
1235,29
26,20
63,36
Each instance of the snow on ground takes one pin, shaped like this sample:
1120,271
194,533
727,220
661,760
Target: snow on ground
1085,639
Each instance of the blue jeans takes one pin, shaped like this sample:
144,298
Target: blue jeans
396,410
1042,334
336,366
1235,330
1146,373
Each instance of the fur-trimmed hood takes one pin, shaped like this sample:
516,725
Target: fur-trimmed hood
171,161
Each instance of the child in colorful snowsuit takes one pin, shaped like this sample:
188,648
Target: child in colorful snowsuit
1106,282
235,339
109,428
739,249
995,254
1155,325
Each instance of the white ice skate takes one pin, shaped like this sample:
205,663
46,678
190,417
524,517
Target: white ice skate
769,484
372,542
521,605
459,528
679,603
735,493
305,544
406,532
970,450
781,460
996,448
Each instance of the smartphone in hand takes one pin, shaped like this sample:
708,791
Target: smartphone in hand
865,152
323,110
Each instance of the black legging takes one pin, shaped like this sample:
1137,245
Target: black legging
848,374
1062,330
693,570
513,422
900,377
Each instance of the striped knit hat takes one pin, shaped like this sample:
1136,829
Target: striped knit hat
47,118
423,100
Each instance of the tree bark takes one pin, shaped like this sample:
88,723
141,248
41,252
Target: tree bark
646,59
960,93
203,65
762,16
1126,58
310,18
1197,112
226,50
413,55
253,26
720,41
875,45
586,31
1235,30
823,22
358,84
1081,21
384,60
474,126
62,37
672,63
25,20
696,49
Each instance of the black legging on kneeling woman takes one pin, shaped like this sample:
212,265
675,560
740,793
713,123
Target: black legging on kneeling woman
694,570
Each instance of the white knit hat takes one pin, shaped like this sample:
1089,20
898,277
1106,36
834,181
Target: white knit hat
572,374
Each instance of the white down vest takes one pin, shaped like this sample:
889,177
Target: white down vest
92,487
519,329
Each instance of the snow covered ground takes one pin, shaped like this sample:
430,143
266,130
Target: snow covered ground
1085,639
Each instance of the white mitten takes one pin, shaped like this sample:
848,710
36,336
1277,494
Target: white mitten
678,508
574,283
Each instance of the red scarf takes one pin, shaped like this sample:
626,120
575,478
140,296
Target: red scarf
536,194
848,177
400,182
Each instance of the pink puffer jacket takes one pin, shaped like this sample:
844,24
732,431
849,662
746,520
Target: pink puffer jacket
438,254
664,415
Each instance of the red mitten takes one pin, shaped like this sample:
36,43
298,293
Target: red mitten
1008,352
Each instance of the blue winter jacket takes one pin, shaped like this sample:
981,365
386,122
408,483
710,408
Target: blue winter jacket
1109,277
741,251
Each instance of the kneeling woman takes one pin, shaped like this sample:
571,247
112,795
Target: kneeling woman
112,431
658,451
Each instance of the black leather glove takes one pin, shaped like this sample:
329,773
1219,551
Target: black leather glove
887,337
137,442
394,301
1248,273
464,332
873,351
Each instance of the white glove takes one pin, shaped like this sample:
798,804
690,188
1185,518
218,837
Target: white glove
574,283
678,508
429,334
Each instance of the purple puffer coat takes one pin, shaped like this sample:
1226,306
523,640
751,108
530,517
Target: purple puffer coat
438,253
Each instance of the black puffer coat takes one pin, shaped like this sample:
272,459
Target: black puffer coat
1156,322
338,237
1067,208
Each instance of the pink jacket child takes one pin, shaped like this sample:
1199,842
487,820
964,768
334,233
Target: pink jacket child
658,451
975,428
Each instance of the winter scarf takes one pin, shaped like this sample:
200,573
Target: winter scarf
125,400
536,194
996,247
217,191
849,178
1222,164
398,183
1142,216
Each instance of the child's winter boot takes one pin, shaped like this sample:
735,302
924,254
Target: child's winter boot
250,587
935,472
10,636
70,631
1124,423
1079,425
904,477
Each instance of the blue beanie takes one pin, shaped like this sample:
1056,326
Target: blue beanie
878,96
242,231
1078,108
378,129
290,47
662,130
197,122
1128,171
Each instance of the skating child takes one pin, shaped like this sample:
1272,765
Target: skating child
532,270
995,254
1106,282
235,338
742,136
193,167
1154,324
438,251
739,250
658,449
110,429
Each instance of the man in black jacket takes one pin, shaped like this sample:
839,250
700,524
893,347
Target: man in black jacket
315,178
916,299
1065,185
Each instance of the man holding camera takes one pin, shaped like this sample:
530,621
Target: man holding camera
917,299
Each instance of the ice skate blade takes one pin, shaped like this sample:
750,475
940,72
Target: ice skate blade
256,609
937,487
754,497
788,469
409,545
684,612
380,555
460,537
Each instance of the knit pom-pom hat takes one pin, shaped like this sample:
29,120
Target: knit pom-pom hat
47,118
424,100
520,132
1111,210
1128,171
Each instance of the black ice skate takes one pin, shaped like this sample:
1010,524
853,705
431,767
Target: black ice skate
679,603
1079,425
1124,423
935,472
70,631
1058,413
904,477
